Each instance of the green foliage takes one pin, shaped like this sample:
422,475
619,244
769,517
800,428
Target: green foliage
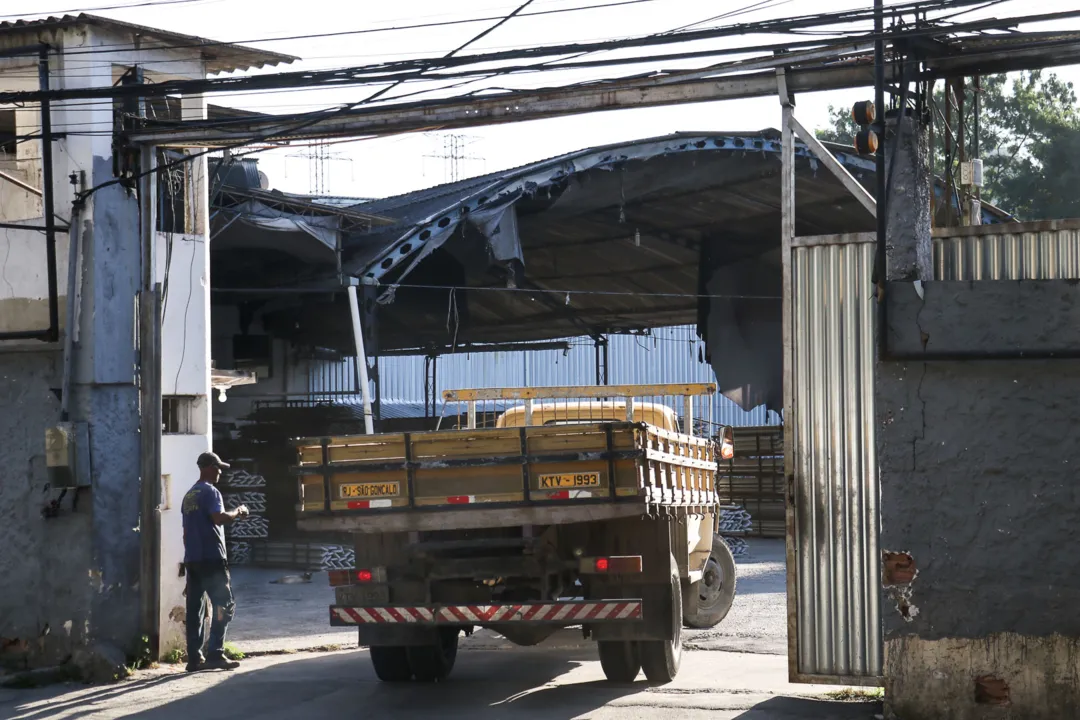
1028,139
232,652
175,657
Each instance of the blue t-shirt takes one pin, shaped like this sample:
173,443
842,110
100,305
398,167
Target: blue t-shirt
204,541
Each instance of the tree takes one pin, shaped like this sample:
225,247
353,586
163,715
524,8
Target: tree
1029,138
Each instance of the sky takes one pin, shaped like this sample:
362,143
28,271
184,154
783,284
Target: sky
389,166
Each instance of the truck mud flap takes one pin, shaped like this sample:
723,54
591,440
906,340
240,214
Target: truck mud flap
560,613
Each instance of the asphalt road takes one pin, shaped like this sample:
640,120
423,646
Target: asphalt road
735,671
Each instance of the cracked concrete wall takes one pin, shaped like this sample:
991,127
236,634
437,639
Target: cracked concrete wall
74,578
977,463
108,388
908,248
45,596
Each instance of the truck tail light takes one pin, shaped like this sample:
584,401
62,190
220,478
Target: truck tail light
610,565
338,578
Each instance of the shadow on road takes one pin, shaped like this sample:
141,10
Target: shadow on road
84,702
485,684
794,708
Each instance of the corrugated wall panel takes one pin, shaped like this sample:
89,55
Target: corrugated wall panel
1024,253
673,354
836,555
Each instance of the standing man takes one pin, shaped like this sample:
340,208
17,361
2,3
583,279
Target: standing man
207,567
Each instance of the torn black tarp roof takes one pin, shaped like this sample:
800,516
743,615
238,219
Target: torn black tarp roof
651,233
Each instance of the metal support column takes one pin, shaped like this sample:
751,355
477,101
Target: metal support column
431,387
602,357
361,358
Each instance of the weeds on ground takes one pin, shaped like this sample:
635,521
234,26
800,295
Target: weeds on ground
175,656
232,652
856,695
143,660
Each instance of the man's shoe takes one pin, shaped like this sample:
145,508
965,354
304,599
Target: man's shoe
193,667
220,664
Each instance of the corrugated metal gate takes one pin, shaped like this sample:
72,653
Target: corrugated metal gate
834,593
833,589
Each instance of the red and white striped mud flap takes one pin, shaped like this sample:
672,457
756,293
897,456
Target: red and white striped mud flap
562,613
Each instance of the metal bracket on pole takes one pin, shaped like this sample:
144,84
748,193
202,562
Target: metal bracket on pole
781,89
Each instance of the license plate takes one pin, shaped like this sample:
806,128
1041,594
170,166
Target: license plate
370,490
569,480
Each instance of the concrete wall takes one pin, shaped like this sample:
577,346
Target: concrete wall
979,503
45,563
75,577
24,280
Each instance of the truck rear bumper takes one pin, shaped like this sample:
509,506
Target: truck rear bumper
574,612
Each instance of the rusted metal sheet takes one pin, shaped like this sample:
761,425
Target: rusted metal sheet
1046,250
835,612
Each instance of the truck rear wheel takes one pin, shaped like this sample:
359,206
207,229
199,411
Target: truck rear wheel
712,596
660,659
620,659
433,663
391,663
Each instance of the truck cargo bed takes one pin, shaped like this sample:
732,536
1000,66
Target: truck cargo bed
502,476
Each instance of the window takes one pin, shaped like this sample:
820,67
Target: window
8,134
172,193
182,415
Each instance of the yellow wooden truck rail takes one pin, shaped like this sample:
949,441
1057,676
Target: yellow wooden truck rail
687,391
572,464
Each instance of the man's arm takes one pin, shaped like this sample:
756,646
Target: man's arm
229,516
220,516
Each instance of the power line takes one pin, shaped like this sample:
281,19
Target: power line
147,3
414,70
110,47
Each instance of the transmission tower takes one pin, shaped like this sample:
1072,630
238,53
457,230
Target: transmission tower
453,154
319,155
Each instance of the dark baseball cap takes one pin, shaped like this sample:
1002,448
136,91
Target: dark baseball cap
209,459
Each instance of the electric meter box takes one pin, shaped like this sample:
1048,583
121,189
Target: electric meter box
67,455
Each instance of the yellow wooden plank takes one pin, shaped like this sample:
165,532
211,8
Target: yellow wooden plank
466,444
310,455
393,449
440,483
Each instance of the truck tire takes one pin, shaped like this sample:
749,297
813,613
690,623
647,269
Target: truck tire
620,659
711,597
391,663
660,659
433,663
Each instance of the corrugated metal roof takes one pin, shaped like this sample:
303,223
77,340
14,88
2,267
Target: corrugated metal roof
220,57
